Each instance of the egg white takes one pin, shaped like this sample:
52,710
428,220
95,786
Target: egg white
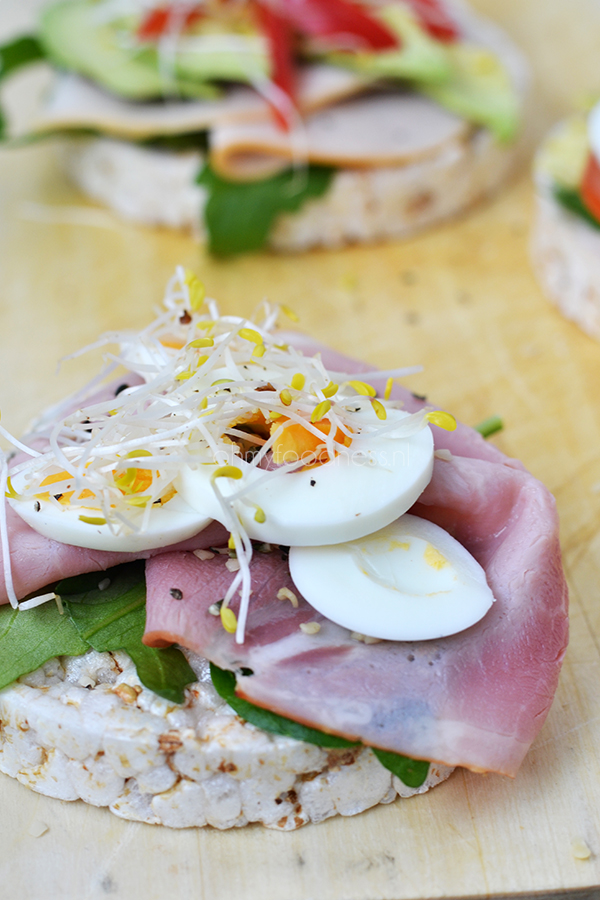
365,487
410,581
168,524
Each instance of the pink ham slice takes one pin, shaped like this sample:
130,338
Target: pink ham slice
37,561
476,699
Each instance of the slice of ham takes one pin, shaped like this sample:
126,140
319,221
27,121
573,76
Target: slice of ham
37,561
77,103
475,699
379,129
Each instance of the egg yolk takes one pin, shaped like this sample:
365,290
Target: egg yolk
295,442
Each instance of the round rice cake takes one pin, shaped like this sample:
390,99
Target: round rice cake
447,166
565,249
85,728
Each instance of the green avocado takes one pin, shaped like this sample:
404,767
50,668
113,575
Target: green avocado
76,38
479,89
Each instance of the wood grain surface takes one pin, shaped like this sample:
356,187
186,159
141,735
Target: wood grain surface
463,302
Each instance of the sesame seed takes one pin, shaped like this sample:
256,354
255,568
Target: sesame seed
284,593
204,554
310,627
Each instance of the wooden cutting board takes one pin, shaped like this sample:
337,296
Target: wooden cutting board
463,302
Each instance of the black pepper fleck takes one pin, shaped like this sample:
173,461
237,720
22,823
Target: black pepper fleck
120,389
312,482
57,496
176,594
422,397
37,506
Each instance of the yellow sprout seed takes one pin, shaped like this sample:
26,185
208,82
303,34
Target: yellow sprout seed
361,387
227,472
388,389
249,334
441,419
10,491
259,350
228,620
201,342
330,390
183,376
259,515
139,452
289,312
286,398
320,411
379,409
298,381
231,542
196,290
91,520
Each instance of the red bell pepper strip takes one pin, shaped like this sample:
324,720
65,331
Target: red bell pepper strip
163,19
281,53
343,20
590,187
435,20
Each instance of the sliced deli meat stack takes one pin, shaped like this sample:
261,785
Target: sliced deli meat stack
476,699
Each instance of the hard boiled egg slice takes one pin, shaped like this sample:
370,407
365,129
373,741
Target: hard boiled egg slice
366,486
410,581
167,524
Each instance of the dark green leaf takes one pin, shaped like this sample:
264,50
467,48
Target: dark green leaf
16,54
177,143
224,683
239,216
571,200
412,772
490,426
29,638
114,619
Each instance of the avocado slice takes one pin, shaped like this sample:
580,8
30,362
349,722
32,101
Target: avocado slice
479,90
419,57
75,38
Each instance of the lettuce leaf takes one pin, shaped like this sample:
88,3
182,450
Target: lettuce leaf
412,772
239,215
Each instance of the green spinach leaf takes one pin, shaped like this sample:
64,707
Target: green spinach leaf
114,619
571,200
29,638
239,215
412,772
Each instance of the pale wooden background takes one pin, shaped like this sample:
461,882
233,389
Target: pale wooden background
461,300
